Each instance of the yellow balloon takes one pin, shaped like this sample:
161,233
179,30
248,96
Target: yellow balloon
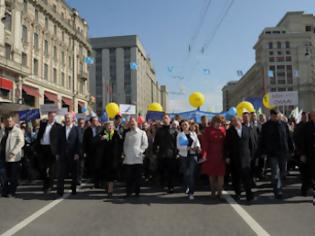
196,99
112,109
266,101
155,107
244,106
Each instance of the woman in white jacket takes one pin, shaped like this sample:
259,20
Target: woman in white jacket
188,146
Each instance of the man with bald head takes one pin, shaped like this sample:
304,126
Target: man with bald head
308,155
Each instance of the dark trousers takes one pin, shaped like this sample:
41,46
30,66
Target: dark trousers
80,170
188,168
241,176
11,179
133,176
47,165
167,169
308,176
278,166
67,165
2,178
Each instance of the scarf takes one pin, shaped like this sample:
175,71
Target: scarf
108,136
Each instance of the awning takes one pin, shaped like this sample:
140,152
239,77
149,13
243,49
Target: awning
81,104
67,101
6,84
51,96
34,92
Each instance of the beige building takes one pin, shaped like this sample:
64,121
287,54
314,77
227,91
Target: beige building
113,80
42,49
284,62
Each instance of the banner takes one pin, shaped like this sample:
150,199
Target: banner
256,101
127,109
284,98
197,114
45,108
154,115
29,115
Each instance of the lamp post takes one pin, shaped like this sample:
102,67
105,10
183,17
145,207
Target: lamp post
74,92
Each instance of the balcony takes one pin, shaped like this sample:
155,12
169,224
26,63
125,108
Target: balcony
14,66
83,75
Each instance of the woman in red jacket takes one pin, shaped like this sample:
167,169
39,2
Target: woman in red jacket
213,152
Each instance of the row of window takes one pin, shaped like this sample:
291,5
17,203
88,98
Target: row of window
278,45
280,59
281,89
279,53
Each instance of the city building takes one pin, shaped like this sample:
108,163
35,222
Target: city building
123,73
42,49
284,62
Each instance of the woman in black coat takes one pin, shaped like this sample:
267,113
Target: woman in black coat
108,155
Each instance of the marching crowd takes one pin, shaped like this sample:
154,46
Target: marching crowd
237,152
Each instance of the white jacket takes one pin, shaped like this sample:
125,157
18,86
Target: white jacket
183,150
14,144
135,144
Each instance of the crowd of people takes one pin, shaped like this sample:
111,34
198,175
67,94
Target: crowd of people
169,153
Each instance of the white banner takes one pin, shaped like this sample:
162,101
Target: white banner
45,108
127,109
284,98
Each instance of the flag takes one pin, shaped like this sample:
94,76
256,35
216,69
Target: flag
89,60
239,73
206,71
296,73
103,116
133,66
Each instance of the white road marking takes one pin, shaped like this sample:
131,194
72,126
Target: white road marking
33,217
37,214
245,216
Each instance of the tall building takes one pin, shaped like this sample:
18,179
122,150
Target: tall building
123,73
42,49
284,62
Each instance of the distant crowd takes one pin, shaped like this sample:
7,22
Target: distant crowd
167,153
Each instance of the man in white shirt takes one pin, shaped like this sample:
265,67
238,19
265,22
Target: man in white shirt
135,144
47,148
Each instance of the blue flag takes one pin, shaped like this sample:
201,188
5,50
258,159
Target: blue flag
89,60
133,66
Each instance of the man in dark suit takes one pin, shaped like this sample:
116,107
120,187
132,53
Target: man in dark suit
89,147
238,146
277,144
308,156
69,149
47,148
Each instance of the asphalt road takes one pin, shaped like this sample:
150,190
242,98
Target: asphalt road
156,213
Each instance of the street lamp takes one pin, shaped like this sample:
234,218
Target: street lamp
75,14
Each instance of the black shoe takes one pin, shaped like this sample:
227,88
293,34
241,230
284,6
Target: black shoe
279,196
237,197
170,190
250,197
74,192
60,194
109,195
137,195
127,196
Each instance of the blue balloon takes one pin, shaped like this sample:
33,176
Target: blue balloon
183,141
232,111
83,109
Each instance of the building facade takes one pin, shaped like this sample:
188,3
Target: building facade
42,49
113,79
284,62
